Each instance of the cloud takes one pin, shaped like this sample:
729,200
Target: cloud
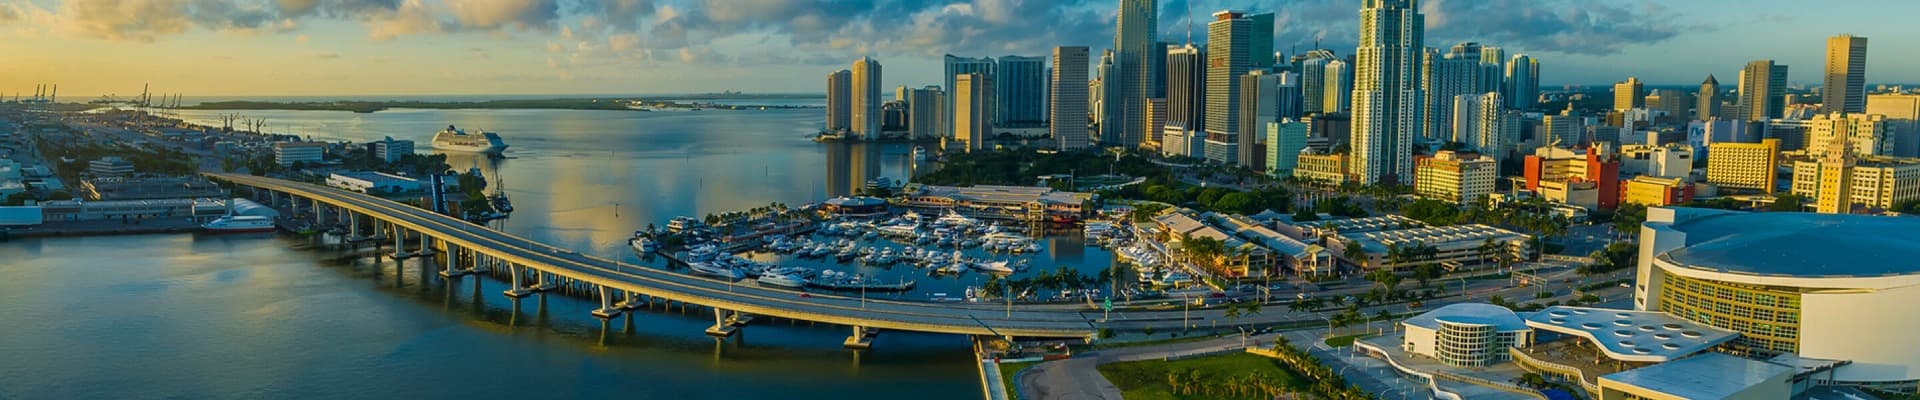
534,15
326,56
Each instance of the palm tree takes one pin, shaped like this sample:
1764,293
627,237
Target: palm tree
1355,254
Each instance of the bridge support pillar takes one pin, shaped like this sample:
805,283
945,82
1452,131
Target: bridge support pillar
541,282
724,323
453,259
861,339
517,290
632,302
399,243
426,245
607,309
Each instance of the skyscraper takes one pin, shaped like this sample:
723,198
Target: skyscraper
1493,69
1845,88
1228,57
954,67
1707,104
839,100
1337,87
1285,140
1069,109
1134,41
971,119
1629,94
1106,114
866,98
1386,91
927,111
1156,122
1313,81
1186,88
1260,42
1484,124
1158,87
1762,84
1021,95
1260,101
1523,82
1456,72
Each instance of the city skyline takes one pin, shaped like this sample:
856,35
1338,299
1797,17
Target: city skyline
253,48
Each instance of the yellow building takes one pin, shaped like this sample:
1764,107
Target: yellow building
1876,182
1458,178
1655,191
1323,168
1867,133
1748,166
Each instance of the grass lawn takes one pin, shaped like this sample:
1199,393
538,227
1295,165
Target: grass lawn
1342,341
1149,380
1007,372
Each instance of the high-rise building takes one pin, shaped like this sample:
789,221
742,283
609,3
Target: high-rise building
1629,94
1458,178
1156,122
1260,41
1285,140
1676,104
840,100
1135,39
1386,91
1313,81
1107,115
1903,121
1262,96
1872,181
927,112
1707,101
1456,72
955,66
1159,85
1746,166
1186,88
971,120
1020,100
1866,133
1228,58
866,98
1337,87
1484,124
1762,84
1563,129
1522,82
1069,108
1493,69
1845,88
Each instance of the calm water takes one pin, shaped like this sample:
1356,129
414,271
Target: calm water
182,316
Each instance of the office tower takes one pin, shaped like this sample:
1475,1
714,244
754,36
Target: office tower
1629,94
1228,58
1289,102
1020,98
1158,87
1522,82
1133,41
1285,140
1337,87
1156,122
1762,84
972,122
1563,129
901,93
1845,88
1493,69
1386,94
1835,195
1484,124
955,66
840,100
1313,81
1107,113
1186,88
1458,178
1745,166
927,111
1707,101
866,99
1456,72
1903,121
1260,103
1260,42
1866,134
1069,109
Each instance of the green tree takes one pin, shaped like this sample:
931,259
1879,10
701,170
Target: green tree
1787,202
1355,254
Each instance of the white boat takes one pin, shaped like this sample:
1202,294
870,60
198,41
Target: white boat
702,253
716,270
919,153
996,267
456,139
821,251
239,224
782,280
642,245
954,219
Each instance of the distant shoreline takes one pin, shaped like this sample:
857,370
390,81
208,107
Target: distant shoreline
364,107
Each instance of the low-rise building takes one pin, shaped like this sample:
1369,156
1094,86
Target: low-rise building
373,182
1458,178
1706,376
1744,166
1024,203
1322,167
1239,258
288,153
857,207
1452,247
174,187
110,166
1291,254
1672,160
1597,164
1655,191
1466,334
82,210
391,150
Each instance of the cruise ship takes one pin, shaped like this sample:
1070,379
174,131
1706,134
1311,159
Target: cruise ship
239,224
456,139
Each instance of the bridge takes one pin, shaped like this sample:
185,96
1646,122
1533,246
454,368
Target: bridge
536,267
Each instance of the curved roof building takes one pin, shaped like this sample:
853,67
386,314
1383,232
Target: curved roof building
1820,286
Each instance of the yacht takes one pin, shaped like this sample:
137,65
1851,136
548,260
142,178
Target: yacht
821,251
642,245
456,139
996,267
715,270
239,224
782,279
704,252
954,219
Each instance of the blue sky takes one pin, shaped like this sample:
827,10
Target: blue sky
330,47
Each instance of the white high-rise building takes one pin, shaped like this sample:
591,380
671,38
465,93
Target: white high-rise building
1021,94
866,99
1386,90
1313,81
1458,71
955,66
1866,133
1228,58
1337,87
1484,124
1135,40
1068,119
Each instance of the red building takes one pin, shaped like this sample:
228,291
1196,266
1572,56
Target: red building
1597,164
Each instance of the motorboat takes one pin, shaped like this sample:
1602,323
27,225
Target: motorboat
820,251
643,245
702,253
782,279
995,267
716,270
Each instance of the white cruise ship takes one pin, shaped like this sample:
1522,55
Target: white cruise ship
455,139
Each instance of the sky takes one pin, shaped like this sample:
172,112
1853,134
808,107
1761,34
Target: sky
417,47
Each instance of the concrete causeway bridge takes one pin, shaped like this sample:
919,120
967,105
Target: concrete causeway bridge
536,267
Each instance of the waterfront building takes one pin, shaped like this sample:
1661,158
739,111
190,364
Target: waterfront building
200,209
1845,85
1458,178
373,182
1902,112
956,66
127,188
1186,88
1745,166
391,150
855,207
1763,84
1671,160
1867,133
1240,261
1466,334
1324,168
926,112
1522,82
1135,40
1655,191
110,166
1020,92
1386,92
288,153
1705,376
972,118
1228,58
1285,140
1629,94
865,101
1023,203
1798,287
1285,252
894,116
1707,102
1068,119
840,101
